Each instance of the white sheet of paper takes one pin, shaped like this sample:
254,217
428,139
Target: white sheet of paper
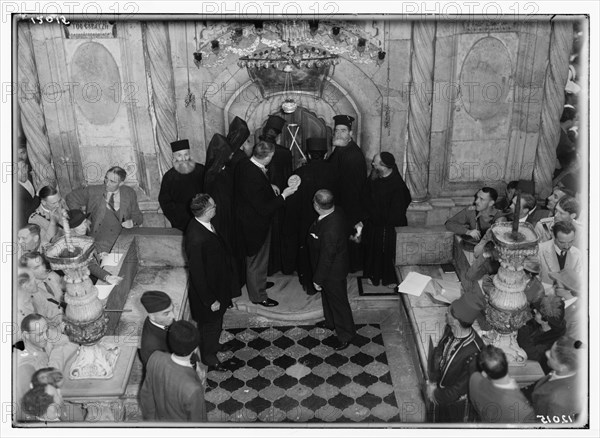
111,259
414,284
104,290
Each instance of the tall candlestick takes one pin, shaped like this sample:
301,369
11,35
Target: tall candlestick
517,214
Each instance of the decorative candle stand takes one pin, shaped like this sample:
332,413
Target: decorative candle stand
508,309
85,320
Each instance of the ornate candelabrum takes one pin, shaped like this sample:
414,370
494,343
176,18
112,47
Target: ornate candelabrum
508,309
85,320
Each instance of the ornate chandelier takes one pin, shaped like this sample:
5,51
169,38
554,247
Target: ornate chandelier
300,57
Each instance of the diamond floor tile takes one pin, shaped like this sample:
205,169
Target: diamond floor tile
292,374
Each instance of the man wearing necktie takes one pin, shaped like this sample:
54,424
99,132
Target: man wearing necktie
256,202
110,206
328,249
212,278
559,253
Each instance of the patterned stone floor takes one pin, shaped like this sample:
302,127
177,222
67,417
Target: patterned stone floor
292,374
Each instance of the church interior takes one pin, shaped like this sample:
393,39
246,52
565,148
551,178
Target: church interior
459,107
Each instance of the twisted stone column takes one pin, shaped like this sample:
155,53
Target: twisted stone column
158,55
561,43
419,116
32,115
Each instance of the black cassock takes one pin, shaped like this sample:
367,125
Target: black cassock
279,170
388,200
299,216
176,193
349,165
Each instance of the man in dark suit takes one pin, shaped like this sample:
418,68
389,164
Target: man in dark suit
279,170
160,316
213,279
110,206
328,248
255,203
28,201
300,213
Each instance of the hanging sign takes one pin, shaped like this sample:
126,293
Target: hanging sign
91,30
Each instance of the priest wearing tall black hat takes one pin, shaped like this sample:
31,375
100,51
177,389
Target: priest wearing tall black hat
160,316
388,199
179,185
350,166
279,170
239,142
299,212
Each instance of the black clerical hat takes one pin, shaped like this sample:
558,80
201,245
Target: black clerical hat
155,301
180,145
343,120
238,133
316,144
276,123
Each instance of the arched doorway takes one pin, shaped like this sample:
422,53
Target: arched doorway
309,126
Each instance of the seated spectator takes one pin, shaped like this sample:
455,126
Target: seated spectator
487,264
503,203
49,215
567,121
534,290
558,191
568,174
547,325
496,396
26,288
567,285
42,403
51,379
29,239
559,392
475,220
80,225
559,253
48,298
28,201
567,209
45,346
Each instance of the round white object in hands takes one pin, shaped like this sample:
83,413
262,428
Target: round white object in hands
294,181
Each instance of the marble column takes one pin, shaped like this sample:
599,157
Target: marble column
419,117
32,115
163,90
561,43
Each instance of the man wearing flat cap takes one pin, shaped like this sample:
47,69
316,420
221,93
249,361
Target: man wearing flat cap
388,199
450,365
279,170
299,212
350,167
179,185
160,316
173,389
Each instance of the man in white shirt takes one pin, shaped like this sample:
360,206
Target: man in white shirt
559,253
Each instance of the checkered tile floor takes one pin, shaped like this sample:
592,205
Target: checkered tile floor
292,374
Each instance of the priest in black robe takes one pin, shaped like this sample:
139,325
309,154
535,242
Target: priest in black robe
349,164
317,174
156,325
387,200
279,170
179,185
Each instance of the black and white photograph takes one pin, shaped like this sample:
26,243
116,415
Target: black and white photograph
335,218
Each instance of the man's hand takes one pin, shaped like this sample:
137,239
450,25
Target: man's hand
475,234
317,287
289,191
127,224
113,279
215,306
276,189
